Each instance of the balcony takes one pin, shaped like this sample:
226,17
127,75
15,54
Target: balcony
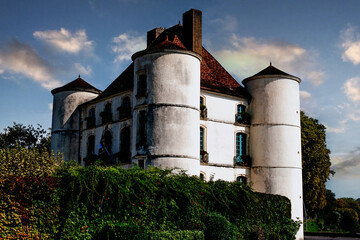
90,122
106,117
204,156
203,112
243,161
124,112
243,118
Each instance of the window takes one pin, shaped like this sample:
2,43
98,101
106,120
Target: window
202,176
240,108
125,154
141,163
108,141
141,85
241,157
91,146
125,109
201,138
141,136
106,114
240,146
242,116
204,156
203,109
91,113
241,179
90,119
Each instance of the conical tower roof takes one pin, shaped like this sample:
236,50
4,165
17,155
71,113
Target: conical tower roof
271,72
78,84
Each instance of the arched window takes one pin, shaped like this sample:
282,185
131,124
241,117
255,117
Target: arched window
108,141
241,179
202,176
125,109
106,114
241,146
91,146
125,155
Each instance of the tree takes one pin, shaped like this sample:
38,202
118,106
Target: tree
316,163
25,136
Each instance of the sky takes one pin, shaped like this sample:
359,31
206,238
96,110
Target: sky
46,44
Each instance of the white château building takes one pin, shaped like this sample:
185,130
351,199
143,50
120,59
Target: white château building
175,106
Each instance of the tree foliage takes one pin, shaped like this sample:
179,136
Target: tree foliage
316,163
25,136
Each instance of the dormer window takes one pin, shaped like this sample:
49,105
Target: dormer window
90,119
242,116
141,85
203,109
106,115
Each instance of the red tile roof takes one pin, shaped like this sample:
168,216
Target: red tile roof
167,44
78,84
215,78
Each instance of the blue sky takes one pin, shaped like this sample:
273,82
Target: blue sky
45,44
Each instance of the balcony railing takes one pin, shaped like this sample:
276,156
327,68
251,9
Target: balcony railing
124,112
243,161
204,156
106,117
243,118
203,112
90,122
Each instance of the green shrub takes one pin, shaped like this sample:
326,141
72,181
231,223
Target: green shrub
217,227
20,161
122,231
177,235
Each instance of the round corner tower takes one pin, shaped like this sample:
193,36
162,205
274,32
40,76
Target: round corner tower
168,108
65,130
275,137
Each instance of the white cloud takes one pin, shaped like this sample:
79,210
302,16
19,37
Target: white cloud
21,58
352,89
64,40
82,69
226,23
1,71
305,95
247,56
127,44
350,45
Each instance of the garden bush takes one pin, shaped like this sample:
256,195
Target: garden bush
68,201
177,235
217,227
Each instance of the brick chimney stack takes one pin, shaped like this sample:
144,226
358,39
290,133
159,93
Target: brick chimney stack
153,34
193,30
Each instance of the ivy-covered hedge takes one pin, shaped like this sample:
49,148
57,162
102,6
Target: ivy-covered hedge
81,203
